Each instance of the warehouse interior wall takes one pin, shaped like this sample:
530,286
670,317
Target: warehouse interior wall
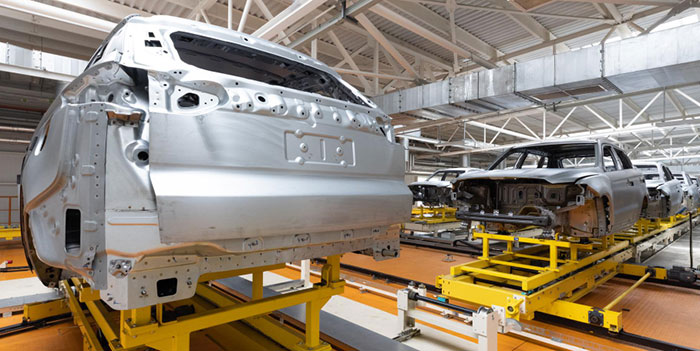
10,164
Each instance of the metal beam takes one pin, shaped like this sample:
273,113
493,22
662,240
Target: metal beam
392,16
526,127
598,114
443,25
382,40
573,36
350,61
531,25
644,109
34,72
353,54
43,10
562,121
504,131
675,102
31,36
296,11
355,9
675,10
688,97
108,8
516,11
244,15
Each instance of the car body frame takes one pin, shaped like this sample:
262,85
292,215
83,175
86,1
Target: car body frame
186,148
586,188
436,189
691,191
665,192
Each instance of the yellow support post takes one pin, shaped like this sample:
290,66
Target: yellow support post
257,292
553,254
313,323
485,248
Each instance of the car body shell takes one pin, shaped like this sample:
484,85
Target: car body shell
588,201
665,193
148,170
435,191
691,191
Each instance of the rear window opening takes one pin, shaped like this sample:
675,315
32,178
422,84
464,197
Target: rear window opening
240,61
548,156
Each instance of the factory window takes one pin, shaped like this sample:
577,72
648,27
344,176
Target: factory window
242,61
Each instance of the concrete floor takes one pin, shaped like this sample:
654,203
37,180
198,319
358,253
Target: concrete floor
678,252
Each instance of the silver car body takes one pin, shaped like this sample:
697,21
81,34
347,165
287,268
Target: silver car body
436,189
149,170
691,191
578,188
665,192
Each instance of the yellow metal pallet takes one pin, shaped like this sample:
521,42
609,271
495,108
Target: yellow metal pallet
552,274
434,215
147,327
10,233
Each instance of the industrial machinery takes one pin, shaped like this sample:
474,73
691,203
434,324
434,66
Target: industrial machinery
586,188
187,149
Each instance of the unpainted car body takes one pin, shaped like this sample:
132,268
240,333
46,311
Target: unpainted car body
691,190
186,148
436,189
665,191
575,188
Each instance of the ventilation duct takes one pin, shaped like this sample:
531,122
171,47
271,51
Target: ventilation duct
662,59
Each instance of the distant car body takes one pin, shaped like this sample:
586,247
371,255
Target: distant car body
665,191
575,188
691,190
436,189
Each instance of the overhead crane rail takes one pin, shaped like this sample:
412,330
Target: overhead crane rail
552,274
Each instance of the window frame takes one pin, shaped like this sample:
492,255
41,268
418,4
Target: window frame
613,155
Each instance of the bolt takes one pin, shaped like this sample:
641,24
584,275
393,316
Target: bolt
303,147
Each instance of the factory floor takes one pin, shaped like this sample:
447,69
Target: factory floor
678,252
655,311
